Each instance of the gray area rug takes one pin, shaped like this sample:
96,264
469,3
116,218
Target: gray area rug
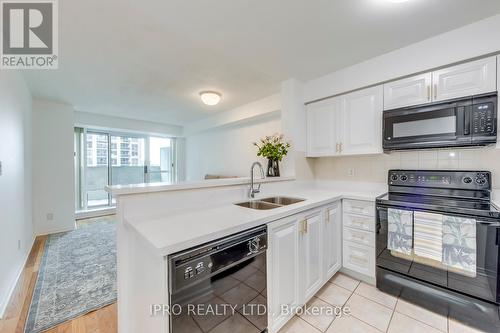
77,275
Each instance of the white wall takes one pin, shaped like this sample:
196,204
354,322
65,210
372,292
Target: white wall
229,150
16,236
470,41
53,168
223,143
86,119
458,45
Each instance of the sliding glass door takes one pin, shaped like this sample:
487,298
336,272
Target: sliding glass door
127,160
160,168
96,169
113,158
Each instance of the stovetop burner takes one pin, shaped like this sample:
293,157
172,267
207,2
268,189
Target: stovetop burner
450,192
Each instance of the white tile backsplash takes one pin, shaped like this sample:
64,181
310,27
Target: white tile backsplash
374,168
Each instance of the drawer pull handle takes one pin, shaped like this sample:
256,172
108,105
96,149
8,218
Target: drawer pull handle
358,209
358,223
358,238
359,259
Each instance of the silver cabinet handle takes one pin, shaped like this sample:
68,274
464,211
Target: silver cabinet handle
429,94
435,90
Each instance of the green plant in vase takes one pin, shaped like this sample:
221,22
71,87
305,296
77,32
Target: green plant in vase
274,148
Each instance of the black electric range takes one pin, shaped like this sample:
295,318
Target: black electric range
472,299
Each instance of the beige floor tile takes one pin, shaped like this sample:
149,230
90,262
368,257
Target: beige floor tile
457,327
333,294
370,312
239,295
376,295
344,281
401,323
430,318
350,324
209,320
235,324
297,325
320,314
255,312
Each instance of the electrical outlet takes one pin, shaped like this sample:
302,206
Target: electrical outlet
350,172
50,216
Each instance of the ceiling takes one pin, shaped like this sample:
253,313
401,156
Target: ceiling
149,59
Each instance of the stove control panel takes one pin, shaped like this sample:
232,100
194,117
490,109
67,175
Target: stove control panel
472,180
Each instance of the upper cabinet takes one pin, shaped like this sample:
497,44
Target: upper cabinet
410,91
472,78
346,125
467,79
322,128
351,124
361,120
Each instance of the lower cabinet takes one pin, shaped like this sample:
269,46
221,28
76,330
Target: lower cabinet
304,253
359,237
282,271
311,254
332,240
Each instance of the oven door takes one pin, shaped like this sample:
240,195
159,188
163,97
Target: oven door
439,125
484,285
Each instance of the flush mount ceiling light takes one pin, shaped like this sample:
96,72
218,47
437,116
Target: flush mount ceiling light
210,97
397,1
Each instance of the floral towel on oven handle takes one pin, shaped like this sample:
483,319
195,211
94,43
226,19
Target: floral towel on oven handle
400,230
459,244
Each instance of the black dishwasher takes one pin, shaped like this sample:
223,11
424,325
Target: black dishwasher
220,286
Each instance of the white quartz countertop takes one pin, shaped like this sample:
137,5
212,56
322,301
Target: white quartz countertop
187,185
180,231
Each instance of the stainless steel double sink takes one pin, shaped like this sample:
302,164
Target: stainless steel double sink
269,203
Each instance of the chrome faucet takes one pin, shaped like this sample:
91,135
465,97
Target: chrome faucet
253,190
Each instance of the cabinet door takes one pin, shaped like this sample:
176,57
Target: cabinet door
406,92
467,79
332,240
311,249
282,280
322,124
362,121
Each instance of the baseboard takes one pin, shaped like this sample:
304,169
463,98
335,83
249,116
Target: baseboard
55,231
358,276
3,305
95,213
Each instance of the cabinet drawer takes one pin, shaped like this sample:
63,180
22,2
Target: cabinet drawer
359,207
366,223
359,237
359,258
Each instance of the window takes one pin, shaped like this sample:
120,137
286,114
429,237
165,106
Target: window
118,159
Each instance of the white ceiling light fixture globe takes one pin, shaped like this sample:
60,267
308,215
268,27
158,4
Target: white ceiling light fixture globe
210,97
397,1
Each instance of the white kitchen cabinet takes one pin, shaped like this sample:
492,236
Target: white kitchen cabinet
304,252
346,125
361,120
283,270
332,240
409,91
311,250
359,258
358,242
322,128
471,78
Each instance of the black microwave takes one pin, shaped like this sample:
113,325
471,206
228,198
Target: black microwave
462,122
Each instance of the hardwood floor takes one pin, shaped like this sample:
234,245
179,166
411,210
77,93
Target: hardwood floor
99,321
